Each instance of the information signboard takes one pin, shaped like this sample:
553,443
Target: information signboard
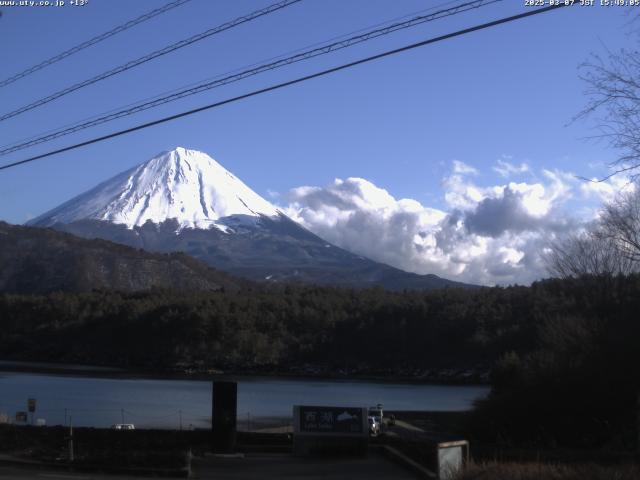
330,430
31,404
334,420
21,417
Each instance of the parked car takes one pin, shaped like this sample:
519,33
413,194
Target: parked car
374,427
377,413
123,426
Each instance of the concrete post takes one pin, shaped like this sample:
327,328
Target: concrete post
223,418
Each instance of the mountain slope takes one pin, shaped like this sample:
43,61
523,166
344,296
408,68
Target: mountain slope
185,201
274,250
185,185
36,260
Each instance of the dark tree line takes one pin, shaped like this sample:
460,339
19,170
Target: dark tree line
579,386
287,325
563,353
278,327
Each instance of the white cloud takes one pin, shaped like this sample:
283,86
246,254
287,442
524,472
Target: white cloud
505,168
463,169
491,234
461,194
606,190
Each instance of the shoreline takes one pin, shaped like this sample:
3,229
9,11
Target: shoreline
95,371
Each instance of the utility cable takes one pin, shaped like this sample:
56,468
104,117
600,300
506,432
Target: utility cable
93,41
151,56
235,70
289,83
225,80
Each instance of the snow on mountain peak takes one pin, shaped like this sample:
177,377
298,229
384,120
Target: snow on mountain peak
186,185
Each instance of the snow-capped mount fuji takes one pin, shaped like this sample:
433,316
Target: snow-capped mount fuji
185,185
183,200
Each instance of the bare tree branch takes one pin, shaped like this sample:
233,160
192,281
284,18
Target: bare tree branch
613,89
587,254
620,224
610,247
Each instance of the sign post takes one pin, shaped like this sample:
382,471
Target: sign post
31,407
71,458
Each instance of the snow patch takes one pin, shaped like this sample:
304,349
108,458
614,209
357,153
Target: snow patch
186,185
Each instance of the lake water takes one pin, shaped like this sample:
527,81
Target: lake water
101,402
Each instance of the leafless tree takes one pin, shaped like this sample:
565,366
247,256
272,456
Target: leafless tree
620,224
613,89
609,247
587,253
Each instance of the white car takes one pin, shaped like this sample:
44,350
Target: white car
123,426
377,413
374,427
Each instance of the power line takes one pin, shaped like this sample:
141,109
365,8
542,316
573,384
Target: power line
225,80
35,137
290,82
151,56
94,40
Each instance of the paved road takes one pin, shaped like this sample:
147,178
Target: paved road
263,466
20,473
277,466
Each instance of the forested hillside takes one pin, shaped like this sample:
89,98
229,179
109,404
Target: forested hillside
37,260
281,328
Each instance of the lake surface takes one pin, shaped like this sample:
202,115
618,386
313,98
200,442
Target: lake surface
101,402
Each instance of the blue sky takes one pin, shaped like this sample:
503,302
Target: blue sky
409,124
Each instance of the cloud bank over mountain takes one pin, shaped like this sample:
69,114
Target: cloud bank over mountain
483,234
